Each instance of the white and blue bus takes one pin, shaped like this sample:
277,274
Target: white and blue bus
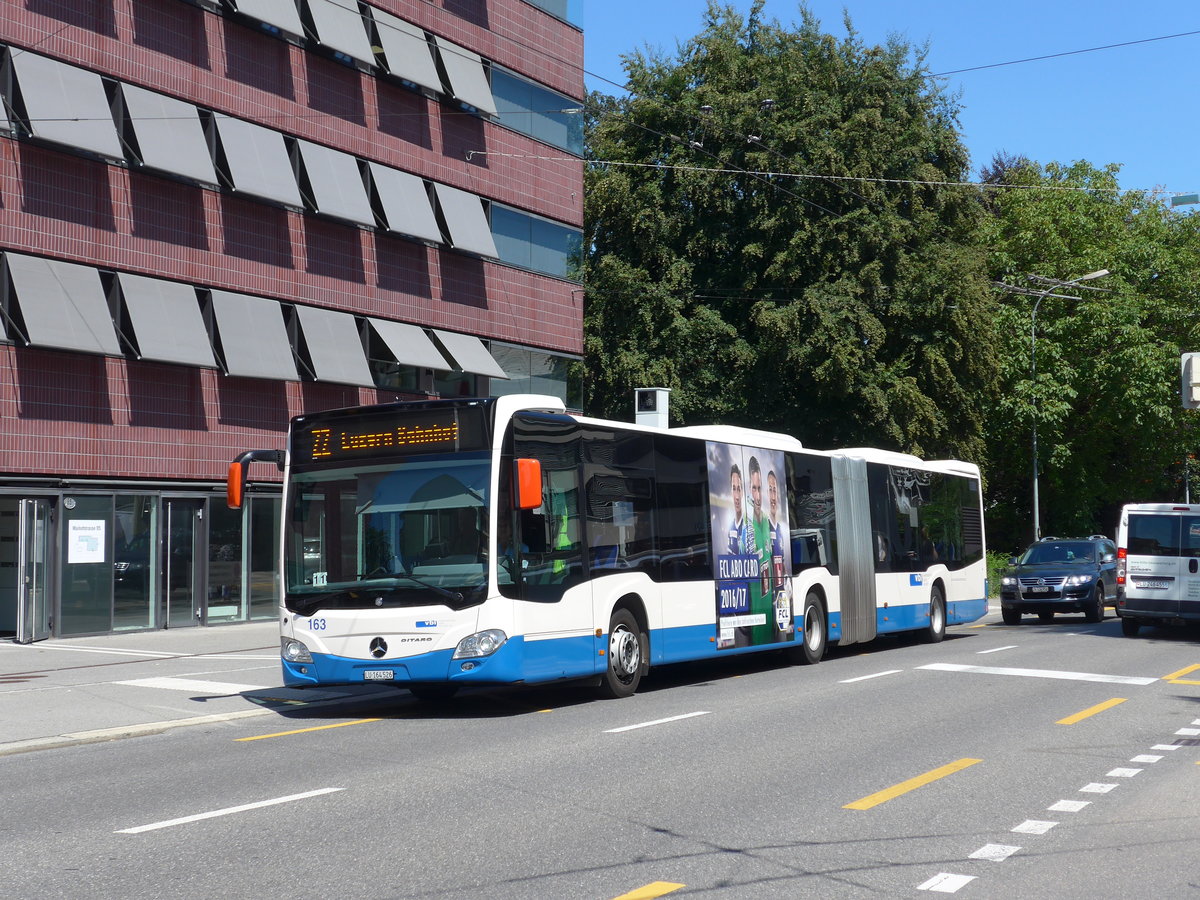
445,543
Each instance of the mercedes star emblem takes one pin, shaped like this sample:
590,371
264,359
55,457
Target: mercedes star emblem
378,647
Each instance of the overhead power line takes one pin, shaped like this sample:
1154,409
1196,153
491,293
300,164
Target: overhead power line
712,170
1014,62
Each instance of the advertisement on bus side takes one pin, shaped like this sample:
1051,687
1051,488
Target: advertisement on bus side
751,549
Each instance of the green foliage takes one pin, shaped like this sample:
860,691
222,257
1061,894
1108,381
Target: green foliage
842,311
814,265
997,562
1110,426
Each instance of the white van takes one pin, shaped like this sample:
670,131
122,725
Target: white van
1158,565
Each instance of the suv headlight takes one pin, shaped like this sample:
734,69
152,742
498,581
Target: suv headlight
1073,580
1008,580
294,651
482,643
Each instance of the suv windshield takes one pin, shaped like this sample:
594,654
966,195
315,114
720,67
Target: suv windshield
406,533
1058,553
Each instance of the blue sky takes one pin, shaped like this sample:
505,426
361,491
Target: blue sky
1136,105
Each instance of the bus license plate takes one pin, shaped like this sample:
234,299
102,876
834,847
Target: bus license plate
379,675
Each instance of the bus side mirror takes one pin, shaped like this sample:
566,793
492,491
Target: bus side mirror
235,481
527,477
235,484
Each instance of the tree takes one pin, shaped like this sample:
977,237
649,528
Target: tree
1106,400
773,230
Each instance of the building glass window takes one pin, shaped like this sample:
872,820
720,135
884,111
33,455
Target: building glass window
570,11
534,243
537,372
538,112
224,564
135,561
454,384
263,556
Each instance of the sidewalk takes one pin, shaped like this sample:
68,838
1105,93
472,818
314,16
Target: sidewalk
67,691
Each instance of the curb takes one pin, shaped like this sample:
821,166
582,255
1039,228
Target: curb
102,735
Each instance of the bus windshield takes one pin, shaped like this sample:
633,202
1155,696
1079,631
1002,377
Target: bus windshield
409,532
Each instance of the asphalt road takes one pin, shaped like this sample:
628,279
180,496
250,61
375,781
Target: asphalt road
1040,761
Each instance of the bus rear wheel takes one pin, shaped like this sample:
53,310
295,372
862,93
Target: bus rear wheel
812,642
626,655
937,616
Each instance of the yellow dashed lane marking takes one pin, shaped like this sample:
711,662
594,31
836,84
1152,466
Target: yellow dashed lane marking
263,737
912,784
1091,711
652,890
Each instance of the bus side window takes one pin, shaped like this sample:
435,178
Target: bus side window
811,512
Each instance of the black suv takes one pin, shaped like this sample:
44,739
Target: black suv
1060,575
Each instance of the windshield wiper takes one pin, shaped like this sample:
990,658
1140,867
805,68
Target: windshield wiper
440,591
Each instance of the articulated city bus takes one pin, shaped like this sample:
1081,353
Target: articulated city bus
445,543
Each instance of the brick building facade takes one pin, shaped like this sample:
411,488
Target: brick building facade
218,214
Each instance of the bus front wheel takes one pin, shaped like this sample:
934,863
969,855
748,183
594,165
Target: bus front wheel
937,617
626,654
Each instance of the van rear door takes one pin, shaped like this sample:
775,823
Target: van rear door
1163,563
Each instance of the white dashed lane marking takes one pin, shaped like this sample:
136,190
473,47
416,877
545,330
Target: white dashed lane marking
994,852
170,823
866,677
946,883
949,883
1034,826
1068,806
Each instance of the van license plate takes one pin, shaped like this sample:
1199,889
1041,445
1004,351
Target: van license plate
379,675
1153,584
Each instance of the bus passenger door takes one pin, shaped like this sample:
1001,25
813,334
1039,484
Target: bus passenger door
555,613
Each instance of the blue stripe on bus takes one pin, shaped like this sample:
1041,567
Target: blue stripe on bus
560,658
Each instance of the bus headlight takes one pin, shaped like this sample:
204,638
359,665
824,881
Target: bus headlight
294,651
482,643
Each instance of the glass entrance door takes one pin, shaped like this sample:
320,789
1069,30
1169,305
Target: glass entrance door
33,551
180,571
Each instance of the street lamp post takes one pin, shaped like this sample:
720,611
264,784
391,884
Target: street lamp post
1042,295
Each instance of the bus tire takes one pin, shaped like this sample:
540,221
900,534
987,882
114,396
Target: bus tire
937,617
815,635
1129,626
433,693
626,656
